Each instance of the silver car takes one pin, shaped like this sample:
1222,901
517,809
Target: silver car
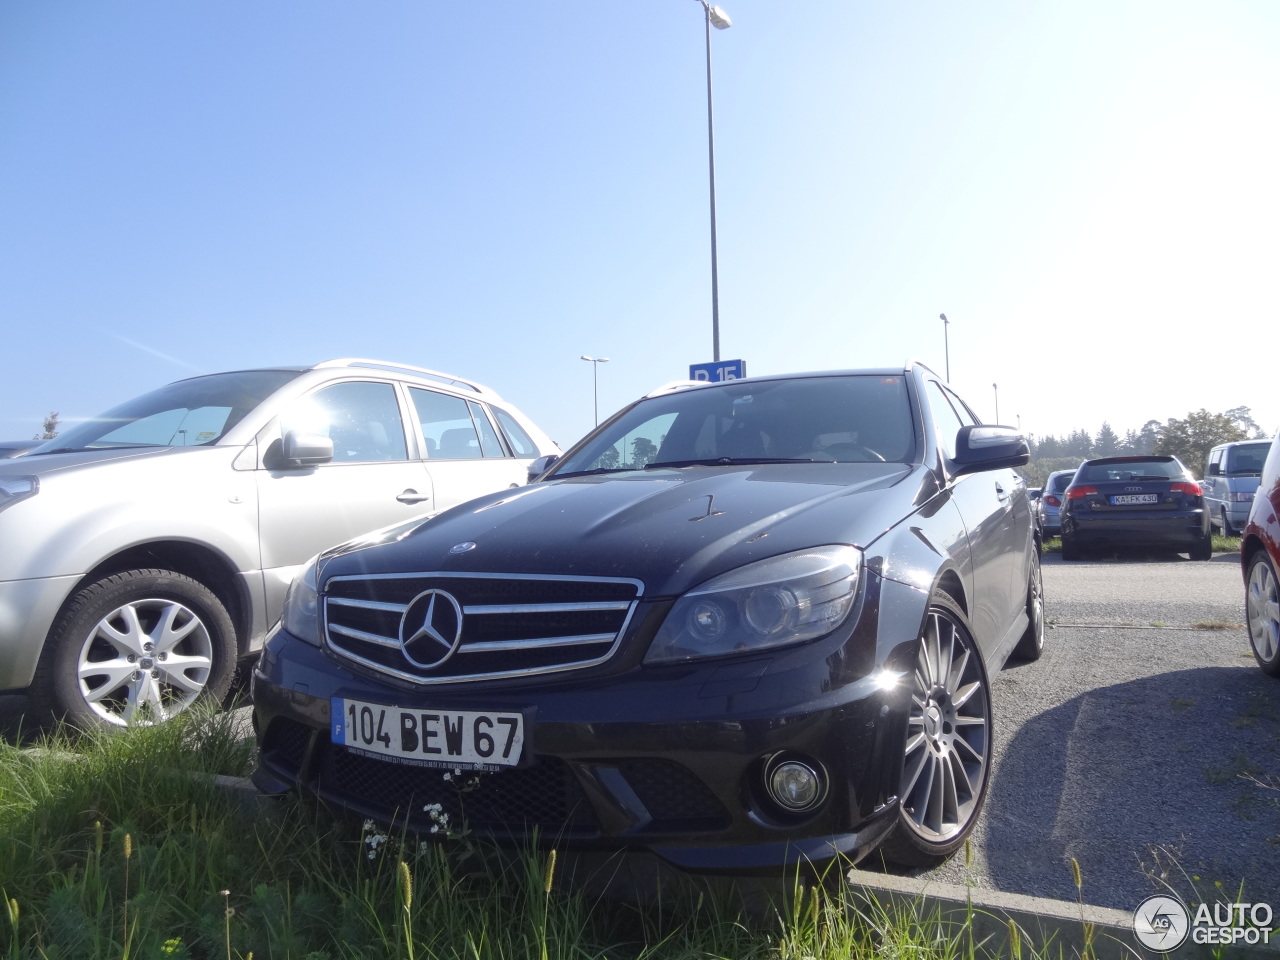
146,551
1055,486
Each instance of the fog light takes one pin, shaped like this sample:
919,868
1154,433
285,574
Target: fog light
796,786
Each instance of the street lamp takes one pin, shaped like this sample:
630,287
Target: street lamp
720,20
595,384
946,342
996,393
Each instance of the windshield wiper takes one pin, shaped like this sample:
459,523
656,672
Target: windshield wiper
727,461
114,446
590,473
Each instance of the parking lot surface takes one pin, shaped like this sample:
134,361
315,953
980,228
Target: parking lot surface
1145,743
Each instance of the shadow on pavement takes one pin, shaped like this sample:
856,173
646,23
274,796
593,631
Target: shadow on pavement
1145,782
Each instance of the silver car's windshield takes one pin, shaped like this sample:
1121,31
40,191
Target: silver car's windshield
187,413
842,419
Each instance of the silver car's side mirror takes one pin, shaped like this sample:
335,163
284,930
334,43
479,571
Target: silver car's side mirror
541,465
306,449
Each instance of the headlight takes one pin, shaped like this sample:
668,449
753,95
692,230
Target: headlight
774,602
301,616
13,489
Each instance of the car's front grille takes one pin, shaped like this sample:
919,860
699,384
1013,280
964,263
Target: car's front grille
475,626
506,803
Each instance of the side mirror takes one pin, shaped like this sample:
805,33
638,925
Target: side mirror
984,447
1215,469
541,465
305,449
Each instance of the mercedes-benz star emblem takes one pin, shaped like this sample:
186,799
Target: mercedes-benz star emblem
430,629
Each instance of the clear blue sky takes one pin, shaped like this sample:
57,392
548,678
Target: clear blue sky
1090,191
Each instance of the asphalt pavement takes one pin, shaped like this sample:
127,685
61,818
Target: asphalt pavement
1135,744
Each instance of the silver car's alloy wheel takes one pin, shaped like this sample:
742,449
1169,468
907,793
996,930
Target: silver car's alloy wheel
145,661
1262,608
948,733
136,647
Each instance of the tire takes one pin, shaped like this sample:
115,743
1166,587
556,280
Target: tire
136,647
1226,525
1070,549
1203,550
946,764
1262,613
1031,645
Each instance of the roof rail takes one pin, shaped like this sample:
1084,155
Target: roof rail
675,385
446,378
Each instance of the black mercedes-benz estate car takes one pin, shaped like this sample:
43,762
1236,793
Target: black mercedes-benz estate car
739,625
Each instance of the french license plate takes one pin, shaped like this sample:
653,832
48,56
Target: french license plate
1125,499
464,739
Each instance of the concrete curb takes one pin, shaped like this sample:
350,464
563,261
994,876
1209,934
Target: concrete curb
1059,923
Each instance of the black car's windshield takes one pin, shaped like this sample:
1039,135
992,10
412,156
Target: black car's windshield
840,419
187,413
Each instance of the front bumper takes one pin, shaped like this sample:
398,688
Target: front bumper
27,611
670,760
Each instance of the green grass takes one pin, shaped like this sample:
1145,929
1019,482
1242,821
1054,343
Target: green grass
110,847
1221,544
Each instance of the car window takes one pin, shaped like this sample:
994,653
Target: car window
947,418
361,417
823,419
187,413
1060,482
490,445
520,441
1247,458
1129,470
447,426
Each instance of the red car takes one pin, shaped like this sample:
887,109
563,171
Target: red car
1259,558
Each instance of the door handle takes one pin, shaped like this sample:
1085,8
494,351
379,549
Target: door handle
1000,494
413,496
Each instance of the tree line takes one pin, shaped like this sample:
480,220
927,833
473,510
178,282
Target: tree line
1189,439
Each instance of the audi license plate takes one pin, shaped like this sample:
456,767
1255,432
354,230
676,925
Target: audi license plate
1124,499
464,739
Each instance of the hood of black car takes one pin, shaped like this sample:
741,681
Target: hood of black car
670,529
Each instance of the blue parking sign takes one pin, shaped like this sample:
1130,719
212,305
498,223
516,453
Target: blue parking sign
718,371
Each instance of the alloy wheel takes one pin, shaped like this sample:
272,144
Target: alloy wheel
145,661
948,733
1262,605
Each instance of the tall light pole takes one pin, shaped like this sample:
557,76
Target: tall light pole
996,393
946,342
595,384
720,20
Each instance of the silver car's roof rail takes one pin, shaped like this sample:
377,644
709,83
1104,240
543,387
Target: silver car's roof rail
675,385
446,378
